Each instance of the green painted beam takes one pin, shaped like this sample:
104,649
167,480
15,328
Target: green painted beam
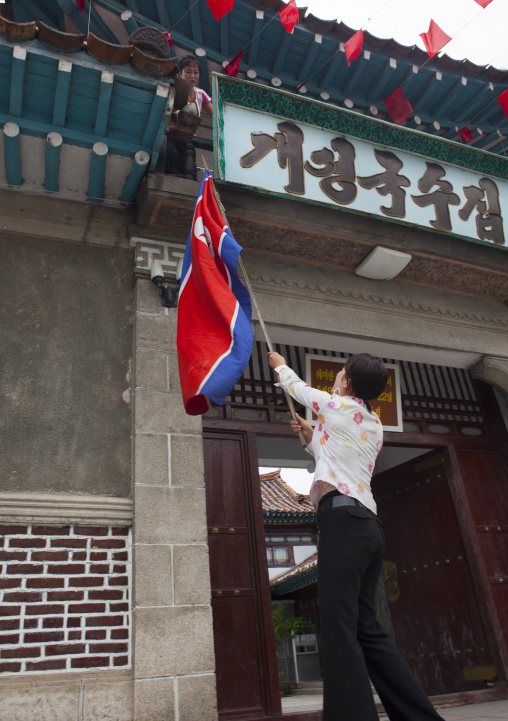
12,154
256,35
314,47
72,137
97,175
18,68
52,162
197,32
138,169
163,12
281,53
103,106
63,84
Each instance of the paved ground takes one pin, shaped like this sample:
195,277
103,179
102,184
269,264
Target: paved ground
469,712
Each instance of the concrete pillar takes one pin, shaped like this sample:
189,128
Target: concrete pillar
173,658
493,370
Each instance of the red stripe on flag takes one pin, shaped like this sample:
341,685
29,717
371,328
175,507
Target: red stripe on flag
81,4
214,334
483,3
208,324
289,16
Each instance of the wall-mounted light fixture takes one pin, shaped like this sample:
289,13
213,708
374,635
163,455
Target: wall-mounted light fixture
383,263
169,296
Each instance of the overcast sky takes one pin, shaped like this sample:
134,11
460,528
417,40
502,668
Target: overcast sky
483,41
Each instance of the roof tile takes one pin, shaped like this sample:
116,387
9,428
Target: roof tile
276,495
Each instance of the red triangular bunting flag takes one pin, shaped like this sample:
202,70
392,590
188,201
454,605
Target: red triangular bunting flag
483,3
435,39
353,46
233,66
465,134
219,8
168,38
81,4
289,15
398,106
503,101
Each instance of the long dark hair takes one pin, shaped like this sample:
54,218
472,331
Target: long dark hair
368,376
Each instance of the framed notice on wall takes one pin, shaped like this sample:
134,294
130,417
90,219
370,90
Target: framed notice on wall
321,371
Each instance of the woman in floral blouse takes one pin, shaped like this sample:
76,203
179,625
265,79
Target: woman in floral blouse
345,443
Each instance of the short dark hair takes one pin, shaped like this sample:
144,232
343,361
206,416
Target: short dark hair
188,60
368,376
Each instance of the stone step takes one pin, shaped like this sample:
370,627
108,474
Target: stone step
311,684
314,691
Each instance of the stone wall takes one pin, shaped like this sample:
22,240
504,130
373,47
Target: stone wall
173,661
66,345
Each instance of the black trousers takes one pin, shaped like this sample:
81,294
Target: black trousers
354,647
177,157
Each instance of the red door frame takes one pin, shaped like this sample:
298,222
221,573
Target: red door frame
448,445
241,603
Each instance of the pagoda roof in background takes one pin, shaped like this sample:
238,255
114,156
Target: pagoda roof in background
300,576
446,94
283,505
74,125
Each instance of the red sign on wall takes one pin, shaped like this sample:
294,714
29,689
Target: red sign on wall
321,374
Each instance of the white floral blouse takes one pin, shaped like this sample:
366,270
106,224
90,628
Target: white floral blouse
346,441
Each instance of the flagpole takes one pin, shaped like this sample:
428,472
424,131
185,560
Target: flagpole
289,400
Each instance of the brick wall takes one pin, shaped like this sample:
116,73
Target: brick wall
64,597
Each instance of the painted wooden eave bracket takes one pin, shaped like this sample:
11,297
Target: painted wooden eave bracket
57,131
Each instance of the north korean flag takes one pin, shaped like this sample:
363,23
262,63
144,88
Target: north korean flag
214,334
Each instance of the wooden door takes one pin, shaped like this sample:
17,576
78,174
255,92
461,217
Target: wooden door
436,617
246,665
486,488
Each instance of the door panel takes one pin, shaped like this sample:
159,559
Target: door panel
436,619
486,486
246,666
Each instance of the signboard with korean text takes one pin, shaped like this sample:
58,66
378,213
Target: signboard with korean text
279,143
321,371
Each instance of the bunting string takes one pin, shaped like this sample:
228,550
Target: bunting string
435,39
452,38
338,49
89,16
483,109
182,17
259,32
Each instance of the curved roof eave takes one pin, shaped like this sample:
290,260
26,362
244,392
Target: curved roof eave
445,93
